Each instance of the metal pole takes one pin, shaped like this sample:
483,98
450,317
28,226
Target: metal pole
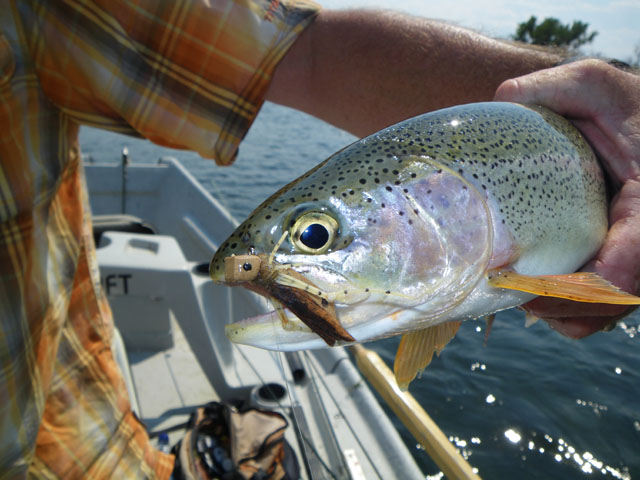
123,193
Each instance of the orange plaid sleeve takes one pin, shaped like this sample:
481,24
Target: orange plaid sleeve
188,74
185,74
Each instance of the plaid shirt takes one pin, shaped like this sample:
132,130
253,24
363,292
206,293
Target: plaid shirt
186,74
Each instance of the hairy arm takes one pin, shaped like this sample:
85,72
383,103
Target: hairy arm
363,70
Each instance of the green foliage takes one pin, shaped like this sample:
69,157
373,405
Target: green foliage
552,32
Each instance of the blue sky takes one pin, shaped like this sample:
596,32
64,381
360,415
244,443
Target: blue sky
616,21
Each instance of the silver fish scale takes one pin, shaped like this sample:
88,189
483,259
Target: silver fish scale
533,165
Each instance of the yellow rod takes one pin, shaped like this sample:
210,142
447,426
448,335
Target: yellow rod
412,415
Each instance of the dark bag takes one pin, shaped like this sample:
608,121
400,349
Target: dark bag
224,443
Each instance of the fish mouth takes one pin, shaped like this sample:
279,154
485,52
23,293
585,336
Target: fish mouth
314,311
286,288
267,331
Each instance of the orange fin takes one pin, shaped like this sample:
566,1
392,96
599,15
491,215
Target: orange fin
580,287
416,350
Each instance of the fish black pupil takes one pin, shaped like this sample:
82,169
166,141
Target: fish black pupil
315,236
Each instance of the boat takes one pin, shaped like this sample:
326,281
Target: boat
156,229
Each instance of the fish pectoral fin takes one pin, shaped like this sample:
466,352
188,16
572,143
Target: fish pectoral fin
416,350
580,287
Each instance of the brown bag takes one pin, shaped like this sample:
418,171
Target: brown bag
225,443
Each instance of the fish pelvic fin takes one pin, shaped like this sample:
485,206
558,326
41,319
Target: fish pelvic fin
580,287
489,319
530,319
416,350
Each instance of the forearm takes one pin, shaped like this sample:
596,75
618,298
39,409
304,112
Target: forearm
363,70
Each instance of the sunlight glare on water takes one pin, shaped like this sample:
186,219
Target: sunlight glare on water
512,436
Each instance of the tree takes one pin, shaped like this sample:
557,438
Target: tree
552,32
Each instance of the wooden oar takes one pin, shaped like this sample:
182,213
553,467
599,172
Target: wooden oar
412,415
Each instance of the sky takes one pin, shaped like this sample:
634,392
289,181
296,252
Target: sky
616,21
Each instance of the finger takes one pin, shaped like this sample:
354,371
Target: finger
576,319
582,327
599,99
557,88
557,308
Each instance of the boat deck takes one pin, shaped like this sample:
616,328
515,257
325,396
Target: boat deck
169,385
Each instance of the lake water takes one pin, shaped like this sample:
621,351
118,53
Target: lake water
530,404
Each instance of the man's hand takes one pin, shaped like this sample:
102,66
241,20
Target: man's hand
603,102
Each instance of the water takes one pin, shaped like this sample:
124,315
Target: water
530,404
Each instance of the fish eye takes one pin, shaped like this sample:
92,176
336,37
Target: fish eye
314,233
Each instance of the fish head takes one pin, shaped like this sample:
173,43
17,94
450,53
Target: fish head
365,245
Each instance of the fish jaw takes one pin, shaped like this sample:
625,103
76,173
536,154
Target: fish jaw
266,331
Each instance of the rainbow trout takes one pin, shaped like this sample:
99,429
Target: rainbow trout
448,216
